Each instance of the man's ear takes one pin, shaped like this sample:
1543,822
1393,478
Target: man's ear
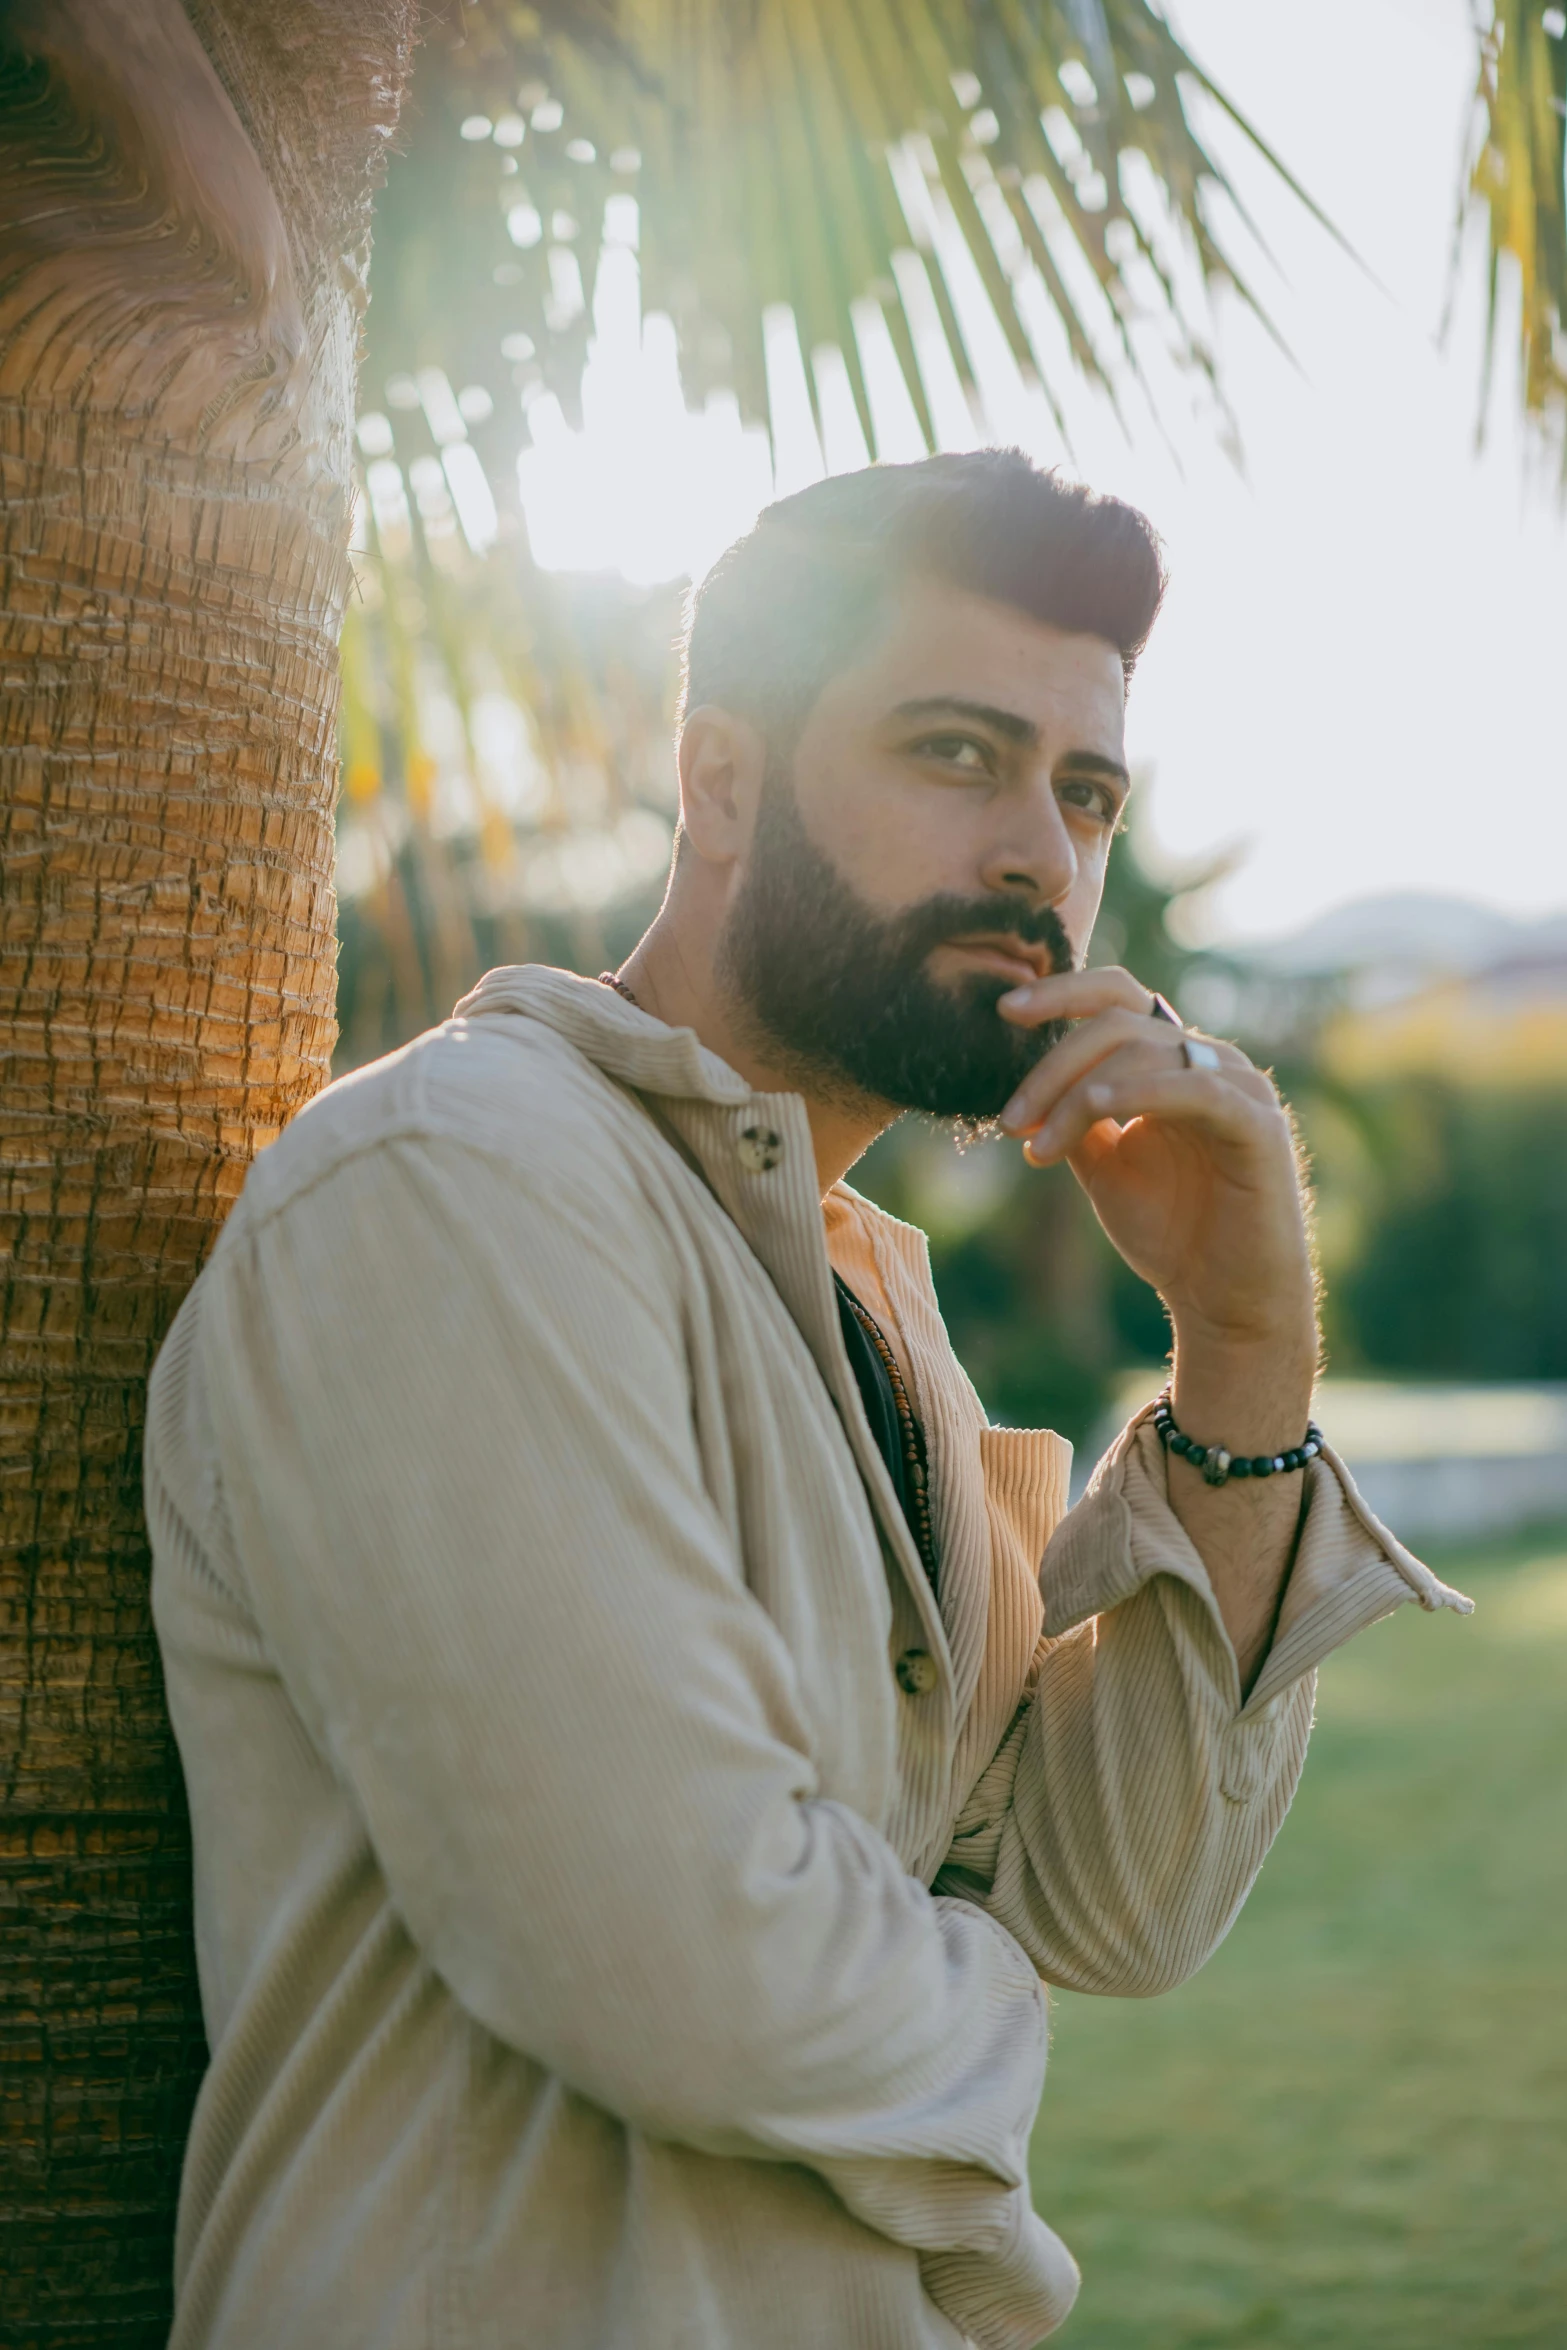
722,761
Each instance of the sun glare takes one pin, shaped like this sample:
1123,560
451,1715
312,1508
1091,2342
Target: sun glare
654,489
647,487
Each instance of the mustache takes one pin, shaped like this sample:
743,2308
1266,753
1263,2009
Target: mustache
939,919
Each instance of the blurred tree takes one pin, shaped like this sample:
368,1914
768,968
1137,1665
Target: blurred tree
1453,1263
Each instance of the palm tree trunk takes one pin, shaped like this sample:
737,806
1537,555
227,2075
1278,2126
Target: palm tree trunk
184,214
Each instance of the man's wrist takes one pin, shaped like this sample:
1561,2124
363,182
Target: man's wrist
1249,1393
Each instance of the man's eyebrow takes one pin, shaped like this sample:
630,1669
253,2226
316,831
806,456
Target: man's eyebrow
1094,763
1009,723
1015,728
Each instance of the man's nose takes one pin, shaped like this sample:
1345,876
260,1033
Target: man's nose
1035,858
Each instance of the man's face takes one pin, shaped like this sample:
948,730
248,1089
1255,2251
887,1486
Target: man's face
940,837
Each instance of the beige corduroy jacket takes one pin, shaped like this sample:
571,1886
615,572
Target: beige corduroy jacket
622,1892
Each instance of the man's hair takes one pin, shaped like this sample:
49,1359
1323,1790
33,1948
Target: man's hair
796,600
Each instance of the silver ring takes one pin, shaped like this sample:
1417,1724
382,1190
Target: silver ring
1198,1055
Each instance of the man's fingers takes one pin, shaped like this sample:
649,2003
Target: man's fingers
1110,1036
1068,1062
1077,995
1203,1098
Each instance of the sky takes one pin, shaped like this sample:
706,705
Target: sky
1358,678
1355,686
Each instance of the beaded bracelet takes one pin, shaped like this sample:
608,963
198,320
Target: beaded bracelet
1219,1466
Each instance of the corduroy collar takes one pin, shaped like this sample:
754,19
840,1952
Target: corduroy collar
625,1043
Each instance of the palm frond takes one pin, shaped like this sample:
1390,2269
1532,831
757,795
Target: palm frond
762,144
1517,175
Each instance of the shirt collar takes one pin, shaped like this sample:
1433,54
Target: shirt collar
623,1041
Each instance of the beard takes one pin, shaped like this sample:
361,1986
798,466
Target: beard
841,997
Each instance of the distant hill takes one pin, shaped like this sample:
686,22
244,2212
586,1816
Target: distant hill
1443,962
1385,949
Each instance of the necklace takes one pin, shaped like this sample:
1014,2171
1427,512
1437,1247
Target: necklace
608,979
909,1431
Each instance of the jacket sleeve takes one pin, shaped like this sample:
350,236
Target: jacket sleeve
465,1492
1120,1826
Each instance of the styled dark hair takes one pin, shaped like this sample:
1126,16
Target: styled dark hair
795,601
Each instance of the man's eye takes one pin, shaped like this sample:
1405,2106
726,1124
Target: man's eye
1078,792
956,750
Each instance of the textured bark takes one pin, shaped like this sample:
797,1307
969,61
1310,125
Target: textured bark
184,216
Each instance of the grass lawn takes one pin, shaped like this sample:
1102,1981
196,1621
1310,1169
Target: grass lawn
1351,2128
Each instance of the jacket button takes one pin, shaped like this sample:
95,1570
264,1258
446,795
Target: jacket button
760,1148
916,1671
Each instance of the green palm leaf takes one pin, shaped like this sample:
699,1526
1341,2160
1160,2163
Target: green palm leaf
766,145
1518,176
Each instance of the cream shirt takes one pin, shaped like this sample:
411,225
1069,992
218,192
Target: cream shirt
622,1892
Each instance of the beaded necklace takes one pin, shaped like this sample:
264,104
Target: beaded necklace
911,1435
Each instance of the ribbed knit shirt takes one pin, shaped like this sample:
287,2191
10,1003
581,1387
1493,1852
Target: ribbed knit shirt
624,1893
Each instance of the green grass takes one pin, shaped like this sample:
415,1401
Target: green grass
1351,2128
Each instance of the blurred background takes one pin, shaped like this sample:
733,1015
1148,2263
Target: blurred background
1294,282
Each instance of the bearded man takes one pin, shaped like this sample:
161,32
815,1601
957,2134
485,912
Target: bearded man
649,1739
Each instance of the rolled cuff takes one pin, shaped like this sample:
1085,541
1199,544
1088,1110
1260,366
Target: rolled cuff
1349,1570
1012,2296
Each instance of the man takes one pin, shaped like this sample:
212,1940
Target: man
647,1736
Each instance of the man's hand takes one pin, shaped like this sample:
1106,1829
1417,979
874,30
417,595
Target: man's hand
1193,1174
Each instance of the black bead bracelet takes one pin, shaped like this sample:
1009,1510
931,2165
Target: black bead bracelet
1219,1466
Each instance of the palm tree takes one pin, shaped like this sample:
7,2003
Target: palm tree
184,234
185,196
